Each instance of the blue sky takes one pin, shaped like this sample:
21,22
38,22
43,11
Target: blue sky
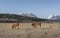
41,8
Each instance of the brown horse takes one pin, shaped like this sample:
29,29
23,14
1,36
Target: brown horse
15,25
36,24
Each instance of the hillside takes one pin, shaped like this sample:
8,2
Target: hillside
20,18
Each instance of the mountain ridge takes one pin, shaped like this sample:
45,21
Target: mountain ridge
15,17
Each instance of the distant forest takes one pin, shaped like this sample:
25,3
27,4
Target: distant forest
13,17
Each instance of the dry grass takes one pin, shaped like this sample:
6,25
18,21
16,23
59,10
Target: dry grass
27,31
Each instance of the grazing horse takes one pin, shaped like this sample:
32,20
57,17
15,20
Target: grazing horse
51,23
35,24
15,25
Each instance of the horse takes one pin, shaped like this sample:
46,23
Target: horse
51,24
15,25
36,24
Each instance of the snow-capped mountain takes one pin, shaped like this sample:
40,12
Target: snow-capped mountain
54,17
51,16
28,14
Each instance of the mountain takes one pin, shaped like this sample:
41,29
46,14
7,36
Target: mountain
28,14
14,17
54,17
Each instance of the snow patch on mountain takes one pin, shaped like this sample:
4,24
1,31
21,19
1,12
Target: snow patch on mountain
54,17
28,14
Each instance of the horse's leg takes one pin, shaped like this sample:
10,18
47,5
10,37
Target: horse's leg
15,27
51,25
12,27
35,26
18,27
40,26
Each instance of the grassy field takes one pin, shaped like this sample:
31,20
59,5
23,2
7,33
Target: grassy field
27,31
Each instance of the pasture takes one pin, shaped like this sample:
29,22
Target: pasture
26,30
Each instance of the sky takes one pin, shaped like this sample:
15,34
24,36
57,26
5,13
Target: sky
41,8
